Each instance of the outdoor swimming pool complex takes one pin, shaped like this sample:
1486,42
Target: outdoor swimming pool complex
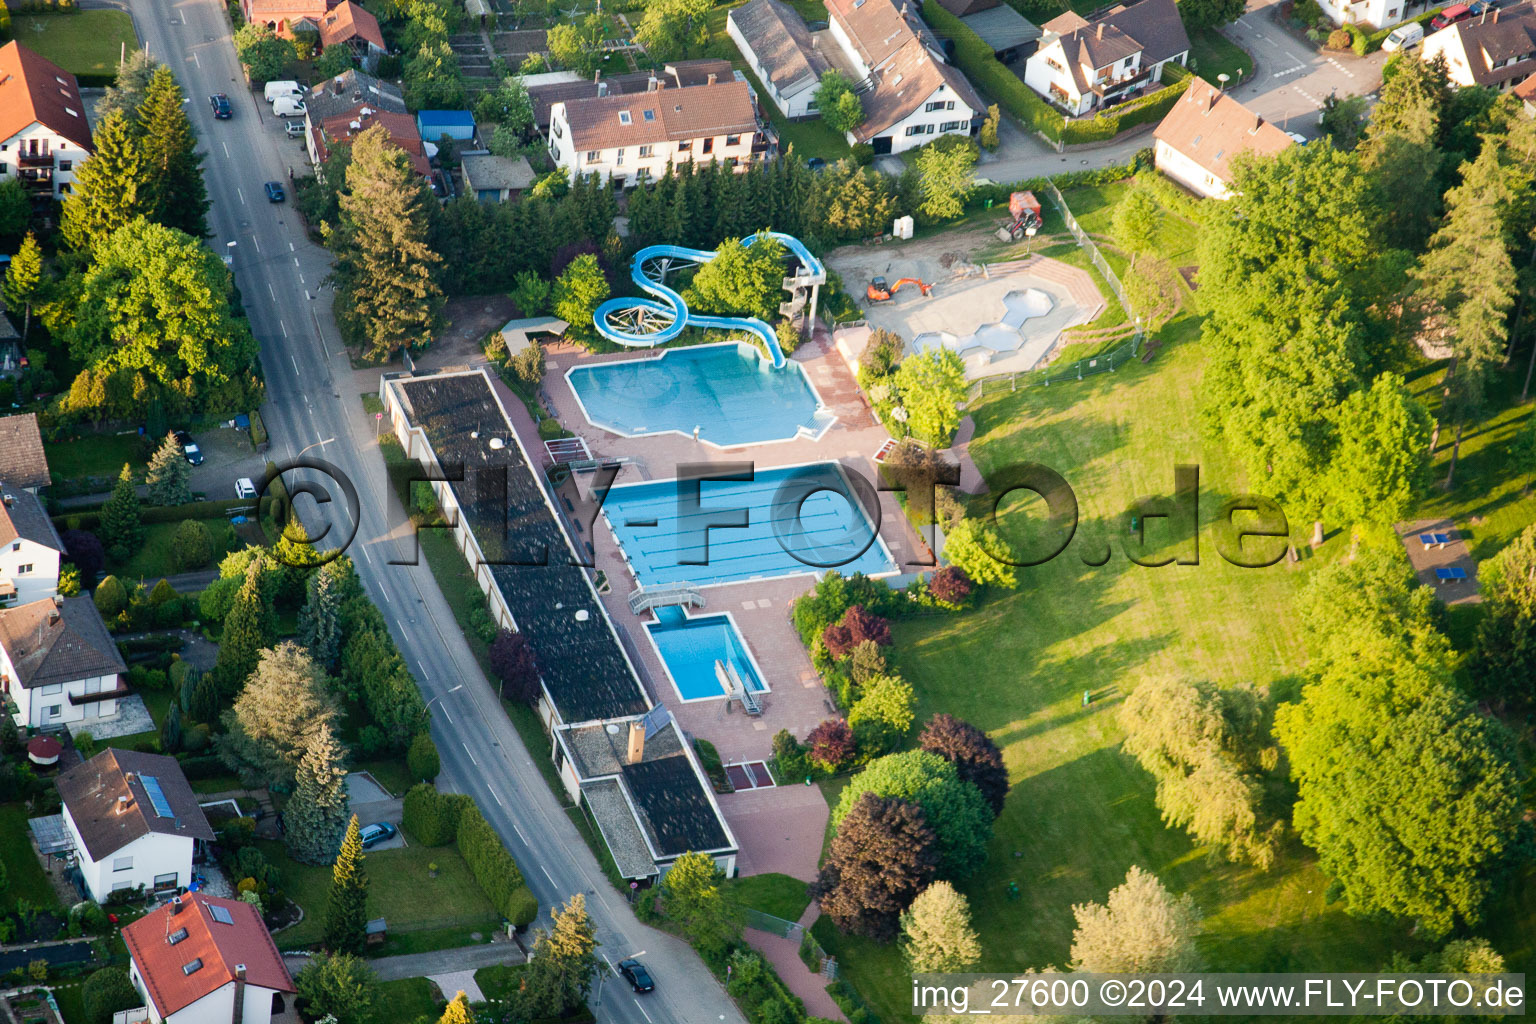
664,542
690,646
730,392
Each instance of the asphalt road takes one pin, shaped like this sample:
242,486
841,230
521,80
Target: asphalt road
312,405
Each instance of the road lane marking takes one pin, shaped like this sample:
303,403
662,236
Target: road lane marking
447,715
367,555
290,247
295,259
271,291
301,279
295,363
386,596
642,1010
241,194
545,869
519,833
226,148
471,754
285,334
256,242
196,61
498,799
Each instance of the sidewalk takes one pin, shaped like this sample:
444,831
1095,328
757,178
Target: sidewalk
784,954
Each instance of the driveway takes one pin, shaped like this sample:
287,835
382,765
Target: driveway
227,456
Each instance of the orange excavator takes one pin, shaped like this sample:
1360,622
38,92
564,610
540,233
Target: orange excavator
879,291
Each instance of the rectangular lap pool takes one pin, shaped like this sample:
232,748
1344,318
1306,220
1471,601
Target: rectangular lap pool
798,519
730,393
690,647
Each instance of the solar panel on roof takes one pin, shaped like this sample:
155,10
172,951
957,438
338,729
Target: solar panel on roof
157,798
220,914
655,720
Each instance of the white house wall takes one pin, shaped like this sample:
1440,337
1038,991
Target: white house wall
148,856
63,151
958,119
41,578
628,163
38,705
1188,173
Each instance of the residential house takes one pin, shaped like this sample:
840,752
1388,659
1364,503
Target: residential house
495,179
22,462
1496,50
1374,14
134,822
347,92
44,134
349,24
628,139
1082,65
201,959
1526,92
910,95
30,549
782,53
58,664
280,16
1205,130
454,424
545,90
1011,36
342,128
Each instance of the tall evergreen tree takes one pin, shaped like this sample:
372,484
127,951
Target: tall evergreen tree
319,619
387,293
109,189
176,196
457,1011
346,916
936,932
1504,660
281,709
169,476
564,959
247,630
24,280
126,92
170,729
1141,928
316,816
121,527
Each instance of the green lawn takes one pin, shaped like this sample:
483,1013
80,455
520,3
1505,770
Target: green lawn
500,981
71,1000
406,1000
100,455
810,137
451,906
391,773
84,43
1211,54
779,895
156,556
27,880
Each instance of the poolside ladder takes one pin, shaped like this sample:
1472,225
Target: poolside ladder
735,689
678,593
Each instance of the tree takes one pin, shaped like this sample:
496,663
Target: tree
84,550
107,991
513,662
668,28
831,744
111,597
506,106
932,387
388,296
1141,929
563,961
578,292
457,1011
694,899
975,757
740,279
883,714
248,629
936,932
346,915
279,716
316,816
433,79
193,545
338,984
154,317
1207,749
335,60
422,758
109,188
320,618
1209,14
127,90
264,55
1343,120
856,626
169,475
949,585
24,280
573,48
1382,465
946,172
1504,657
974,548
15,210
988,134
530,292
883,854
1136,219
841,115
121,528
176,196
954,809
170,730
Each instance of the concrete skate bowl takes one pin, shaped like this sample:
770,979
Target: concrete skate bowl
1000,337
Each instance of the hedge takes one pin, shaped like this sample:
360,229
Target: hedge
493,867
981,66
91,519
1152,107
428,817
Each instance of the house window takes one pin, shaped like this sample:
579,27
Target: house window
708,145
914,129
55,711
220,914
168,881
650,115
620,158
624,117
951,126
928,129
558,133
684,146
592,156
931,107
66,165
733,140
646,151
120,886
193,967
22,570
1054,64
53,688
16,546
122,863
180,933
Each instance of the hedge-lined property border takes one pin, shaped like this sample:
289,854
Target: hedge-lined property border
1369,42
437,819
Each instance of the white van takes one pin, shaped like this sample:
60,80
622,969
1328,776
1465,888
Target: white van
1404,37
245,488
288,106
277,89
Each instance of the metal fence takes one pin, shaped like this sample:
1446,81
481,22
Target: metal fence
772,925
1106,362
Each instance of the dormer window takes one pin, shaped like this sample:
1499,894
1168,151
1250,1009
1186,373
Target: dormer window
176,936
650,115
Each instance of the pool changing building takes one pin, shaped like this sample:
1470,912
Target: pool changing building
617,753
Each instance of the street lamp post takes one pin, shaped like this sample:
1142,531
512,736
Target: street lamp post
427,708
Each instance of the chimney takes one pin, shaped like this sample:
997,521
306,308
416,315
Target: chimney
54,616
1101,30
10,501
597,76
711,79
237,1014
651,84
123,803
636,742
176,904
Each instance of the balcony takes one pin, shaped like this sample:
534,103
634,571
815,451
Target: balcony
1109,88
35,159
120,690
36,180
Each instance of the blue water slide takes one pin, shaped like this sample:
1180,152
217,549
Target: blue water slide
648,322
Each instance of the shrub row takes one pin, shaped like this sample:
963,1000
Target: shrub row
1104,127
981,66
1363,43
90,520
437,819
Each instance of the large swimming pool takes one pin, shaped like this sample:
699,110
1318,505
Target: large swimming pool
691,645
796,519
730,393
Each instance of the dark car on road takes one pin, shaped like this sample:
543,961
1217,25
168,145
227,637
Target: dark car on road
189,449
221,108
275,192
635,973
376,833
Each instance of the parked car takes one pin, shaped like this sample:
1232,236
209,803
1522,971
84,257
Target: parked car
293,129
275,193
274,90
1450,16
376,833
221,108
245,489
1481,7
189,449
634,972
1404,37
287,106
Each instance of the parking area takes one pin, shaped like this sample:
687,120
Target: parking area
227,456
373,804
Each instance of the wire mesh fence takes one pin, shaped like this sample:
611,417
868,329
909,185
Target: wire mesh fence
770,924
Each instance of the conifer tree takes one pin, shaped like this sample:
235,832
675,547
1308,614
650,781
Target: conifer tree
316,816
346,916
247,629
458,1011
170,730
176,196
559,973
24,280
121,528
168,475
936,932
319,624
109,189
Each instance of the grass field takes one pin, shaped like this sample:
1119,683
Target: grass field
27,880
1211,54
156,556
399,890
98,456
780,895
406,999
84,43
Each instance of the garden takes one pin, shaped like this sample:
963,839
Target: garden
88,44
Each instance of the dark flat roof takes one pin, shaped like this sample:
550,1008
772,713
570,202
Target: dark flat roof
504,506
673,807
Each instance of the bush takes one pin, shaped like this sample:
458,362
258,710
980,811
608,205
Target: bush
111,597
831,744
428,817
522,907
106,992
193,544
422,758
790,758
1340,39
855,627
950,586
491,864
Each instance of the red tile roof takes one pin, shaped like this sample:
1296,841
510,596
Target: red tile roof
33,89
401,128
698,111
220,947
1209,127
348,20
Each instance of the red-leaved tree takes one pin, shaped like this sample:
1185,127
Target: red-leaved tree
831,744
513,662
950,585
856,626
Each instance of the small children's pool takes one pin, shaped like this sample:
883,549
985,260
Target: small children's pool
796,519
730,393
690,647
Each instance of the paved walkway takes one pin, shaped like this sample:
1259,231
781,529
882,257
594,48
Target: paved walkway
446,962
784,954
451,984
